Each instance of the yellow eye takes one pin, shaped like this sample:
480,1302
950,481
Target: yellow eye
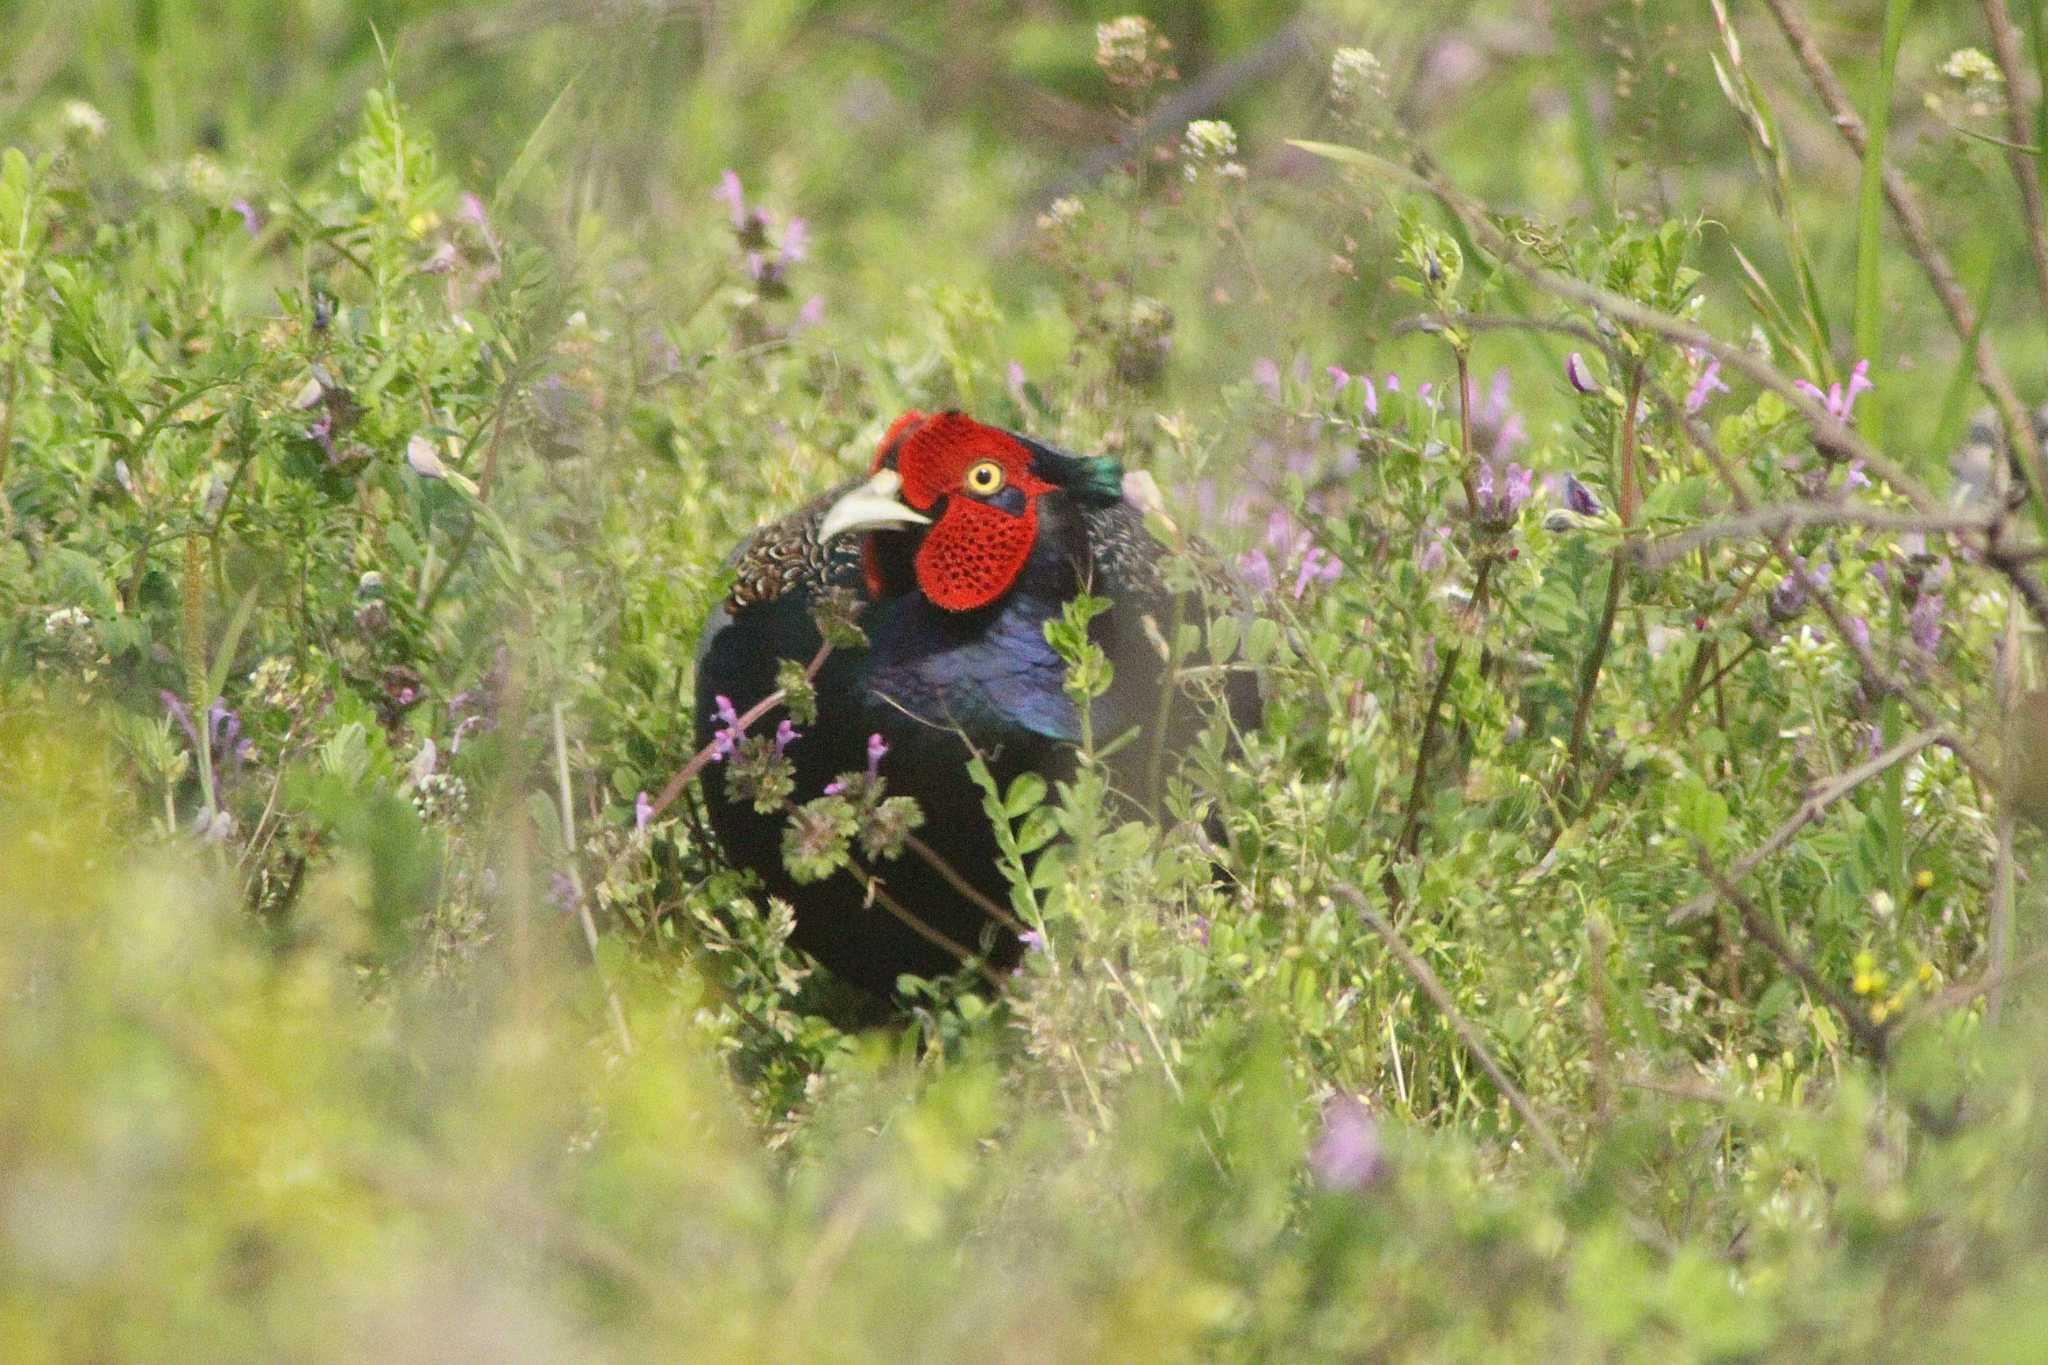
985,478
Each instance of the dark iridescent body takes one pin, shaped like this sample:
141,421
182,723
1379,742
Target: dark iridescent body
964,542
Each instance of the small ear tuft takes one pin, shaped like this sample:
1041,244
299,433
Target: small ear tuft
898,431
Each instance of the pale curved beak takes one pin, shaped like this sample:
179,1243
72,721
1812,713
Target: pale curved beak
874,504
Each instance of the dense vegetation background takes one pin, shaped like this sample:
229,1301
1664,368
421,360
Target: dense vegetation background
1626,941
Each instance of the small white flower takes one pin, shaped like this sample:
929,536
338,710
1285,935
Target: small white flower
1209,143
1971,67
66,620
82,121
1354,74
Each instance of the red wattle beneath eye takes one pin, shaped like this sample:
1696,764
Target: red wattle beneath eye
974,554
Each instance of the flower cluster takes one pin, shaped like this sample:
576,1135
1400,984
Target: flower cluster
1210,146
1975,89
1838,401
1501,493
769,247
1132,53
1356,78
819,837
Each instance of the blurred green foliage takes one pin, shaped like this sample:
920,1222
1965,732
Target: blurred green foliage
384,384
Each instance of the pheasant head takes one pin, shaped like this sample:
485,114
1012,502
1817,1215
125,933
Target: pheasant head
961,506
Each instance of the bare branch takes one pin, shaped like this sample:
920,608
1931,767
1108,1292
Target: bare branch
1809,811
2005,48
1785,516
1469,1036
1873,1037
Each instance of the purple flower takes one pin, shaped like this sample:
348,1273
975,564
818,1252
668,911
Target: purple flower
1578,376
1257,570
1266,374
727,739
1925,621
1347,1156
1853,477
1319,566
810,315
1789,597
1706,385
1579,498
796,240
785,735
1859,632
1838,401
251,220
1435,550
562,891
1280,532
643,813
1498,427
177,711
735,198
1521,483
1501,495
1372,395
876,748
1339,377
835,787
1033,941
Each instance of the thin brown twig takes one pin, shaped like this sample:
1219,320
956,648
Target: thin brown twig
1411,820
1872,1036
704,756
1787,516
916,925
2026,172
1467,1034
1810,810
959,883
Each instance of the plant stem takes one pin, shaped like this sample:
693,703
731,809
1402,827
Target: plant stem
611,996
1467,1034
1411,823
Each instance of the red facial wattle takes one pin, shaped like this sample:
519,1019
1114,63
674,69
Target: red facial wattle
974,552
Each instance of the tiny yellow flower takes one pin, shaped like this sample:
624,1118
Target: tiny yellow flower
1926,972
1923,879
1864,984
1878,1013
